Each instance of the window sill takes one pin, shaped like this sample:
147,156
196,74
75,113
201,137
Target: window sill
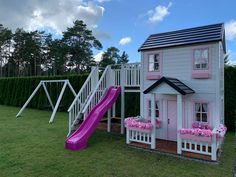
201,74
153,76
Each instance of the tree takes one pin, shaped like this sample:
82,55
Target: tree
27,55
80,41
5,44
226,59
109,57
123,58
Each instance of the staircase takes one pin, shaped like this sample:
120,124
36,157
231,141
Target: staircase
75,110
126,75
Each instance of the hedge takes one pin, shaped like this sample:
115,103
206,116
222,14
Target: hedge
15,91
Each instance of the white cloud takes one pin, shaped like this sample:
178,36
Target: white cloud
230,30
158,14
101,35
102,1
98,56
54,14
125,41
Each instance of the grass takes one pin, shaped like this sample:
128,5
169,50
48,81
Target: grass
31,147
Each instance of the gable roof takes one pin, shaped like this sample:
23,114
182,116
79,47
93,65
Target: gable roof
203,34
174,83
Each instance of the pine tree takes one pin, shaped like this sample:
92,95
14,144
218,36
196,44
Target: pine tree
123,58
109,57
80,41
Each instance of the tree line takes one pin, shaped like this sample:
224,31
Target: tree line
33,53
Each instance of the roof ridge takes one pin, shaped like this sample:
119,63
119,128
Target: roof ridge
185,29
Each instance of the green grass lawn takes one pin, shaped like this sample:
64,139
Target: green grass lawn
31,147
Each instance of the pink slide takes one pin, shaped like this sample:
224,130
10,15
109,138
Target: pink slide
78,140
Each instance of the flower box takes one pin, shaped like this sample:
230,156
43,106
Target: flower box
196,138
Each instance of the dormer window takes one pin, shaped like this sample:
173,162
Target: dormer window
201,59
154,62
201,63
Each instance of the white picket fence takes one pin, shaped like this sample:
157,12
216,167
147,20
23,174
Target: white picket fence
200,147
137,136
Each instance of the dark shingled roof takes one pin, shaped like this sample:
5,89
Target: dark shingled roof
174,83
203,34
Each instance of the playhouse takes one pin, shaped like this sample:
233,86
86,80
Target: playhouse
181,83
180,79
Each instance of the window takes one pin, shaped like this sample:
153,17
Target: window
156,106
201,112
201,59
154,62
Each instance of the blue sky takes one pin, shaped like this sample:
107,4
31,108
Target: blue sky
124,24
130,19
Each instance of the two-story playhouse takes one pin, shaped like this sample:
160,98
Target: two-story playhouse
182,72
181,84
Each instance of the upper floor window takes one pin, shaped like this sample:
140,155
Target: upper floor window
201,59
201,112
156,108
154,62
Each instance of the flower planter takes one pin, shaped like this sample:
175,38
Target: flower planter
196,138
139,129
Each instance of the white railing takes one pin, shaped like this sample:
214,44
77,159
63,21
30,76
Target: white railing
202,147
196,147
132,74
117,75
82,97
98,91
137,136
127,75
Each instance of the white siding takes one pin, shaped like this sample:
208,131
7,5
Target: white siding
177,62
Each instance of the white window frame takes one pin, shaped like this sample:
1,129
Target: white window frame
154,62
201,58
201,112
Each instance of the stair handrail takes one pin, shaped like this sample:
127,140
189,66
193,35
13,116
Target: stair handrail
83,87
79,102
89,102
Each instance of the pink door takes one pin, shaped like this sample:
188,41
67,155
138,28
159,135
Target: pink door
171,120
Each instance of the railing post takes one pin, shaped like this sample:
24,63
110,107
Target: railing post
213,147
127,136
114,110
95,78
109,120
122,83
69,124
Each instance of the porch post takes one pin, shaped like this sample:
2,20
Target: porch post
153,121
179,122
122,83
